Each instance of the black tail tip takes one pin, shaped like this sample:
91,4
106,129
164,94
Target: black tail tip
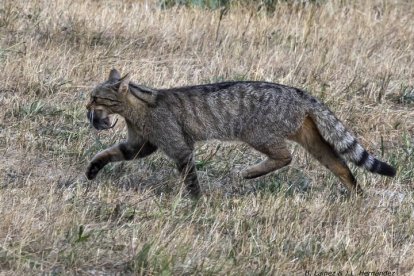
387,170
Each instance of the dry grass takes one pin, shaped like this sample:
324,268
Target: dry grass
358,57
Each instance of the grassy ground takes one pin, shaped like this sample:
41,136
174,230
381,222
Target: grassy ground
358,56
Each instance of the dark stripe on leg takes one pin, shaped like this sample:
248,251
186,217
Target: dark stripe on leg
126,151
189,173
101,163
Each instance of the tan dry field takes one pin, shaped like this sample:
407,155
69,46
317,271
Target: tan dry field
358,56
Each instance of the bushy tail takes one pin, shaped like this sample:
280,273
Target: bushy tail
334,132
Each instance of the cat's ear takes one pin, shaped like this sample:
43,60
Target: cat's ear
114,76
124,84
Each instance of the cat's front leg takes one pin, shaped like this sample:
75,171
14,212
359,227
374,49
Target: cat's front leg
119,152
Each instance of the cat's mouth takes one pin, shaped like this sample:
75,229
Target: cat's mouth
100,123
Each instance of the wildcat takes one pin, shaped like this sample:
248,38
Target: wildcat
263,115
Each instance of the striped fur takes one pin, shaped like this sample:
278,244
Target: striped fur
334,132
260,114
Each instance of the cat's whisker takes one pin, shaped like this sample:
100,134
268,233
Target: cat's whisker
116,120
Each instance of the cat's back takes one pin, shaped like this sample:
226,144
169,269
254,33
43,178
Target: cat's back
223,110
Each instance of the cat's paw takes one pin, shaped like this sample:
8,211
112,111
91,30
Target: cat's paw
92,171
